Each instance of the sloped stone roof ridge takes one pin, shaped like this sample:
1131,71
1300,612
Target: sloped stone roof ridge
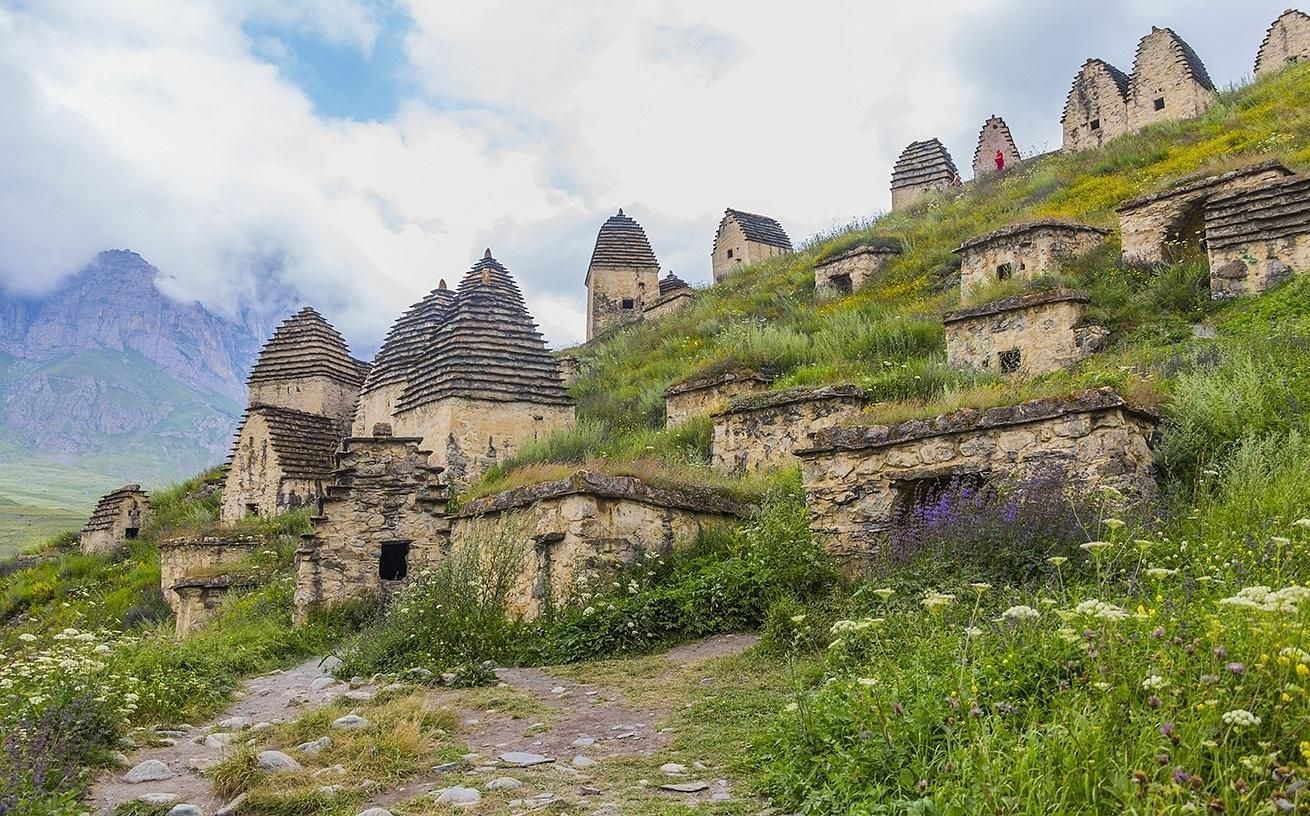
1120,79
877,246
1186,56
1269,33
1202,182
702,381
306,345
672,283
622,242
106,510
1280,209
1009,137
861,437
1017,302
305,443
923,163
488,348
408,339
759,228
789,396
1028,226
693,498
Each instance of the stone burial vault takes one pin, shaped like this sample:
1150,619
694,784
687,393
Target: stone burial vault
745,238
1024,335
1258,237
847,271
195,574
760,431
922,168
705,394
116,519
1022,252
859,480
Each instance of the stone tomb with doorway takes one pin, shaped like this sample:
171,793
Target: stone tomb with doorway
703,395
187,561
199,598
859,480
117,519
848,271
1258,237
1023,335
585,529
1169,226
759,431
1022,252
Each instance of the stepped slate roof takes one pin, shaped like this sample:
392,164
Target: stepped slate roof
672,283
759,228
106,512
306,345
982,136
1280,209
925,162
408,338
622,242
1119,78
488,348
1028,226
1287,18
1204,183
304,443
1183,53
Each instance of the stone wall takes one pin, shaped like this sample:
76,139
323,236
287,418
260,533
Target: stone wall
1022,252
1166,226
187,559
116,518
570,369
1024,335
760,431
313,395
383,519
1286,42
468,436
1168,82
1096,109
1259,237
255,483
859,480
618,295
995,136
198,600
376,405
846,272
731,250
587,528
705,395
669,304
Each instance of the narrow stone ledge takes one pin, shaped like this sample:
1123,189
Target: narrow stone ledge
696,499
1017,302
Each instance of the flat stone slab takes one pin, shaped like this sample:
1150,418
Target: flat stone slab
458,795
158,798
152,770
685,787
521,759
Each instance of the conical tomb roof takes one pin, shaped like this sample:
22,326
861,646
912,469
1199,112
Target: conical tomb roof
306,345
408,338
622,242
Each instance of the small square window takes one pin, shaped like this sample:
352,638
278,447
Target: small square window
1095,124
393,563
1004,272
1010,361
730,253
842,284
131,532
1159,103
252,509
628,303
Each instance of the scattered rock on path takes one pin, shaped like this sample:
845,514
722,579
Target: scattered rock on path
158,798
315,746
374,811
673,769
350,722
234,723
321,683
152,770
277,762
503,783
522,759
685,787
185,809
231,807
458,795
583,762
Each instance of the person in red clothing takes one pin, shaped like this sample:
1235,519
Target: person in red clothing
1000,162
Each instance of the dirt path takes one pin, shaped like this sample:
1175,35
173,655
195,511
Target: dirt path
270,698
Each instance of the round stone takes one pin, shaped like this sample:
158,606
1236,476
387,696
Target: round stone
152,770
459,796
504,783
350,722
583,762
277,762
185,809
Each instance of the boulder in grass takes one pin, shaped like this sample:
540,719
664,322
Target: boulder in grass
458,795
521,759
152,770
277,762
350,722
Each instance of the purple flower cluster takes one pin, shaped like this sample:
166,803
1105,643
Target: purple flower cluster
49,754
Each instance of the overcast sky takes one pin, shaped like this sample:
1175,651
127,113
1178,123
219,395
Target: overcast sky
348,153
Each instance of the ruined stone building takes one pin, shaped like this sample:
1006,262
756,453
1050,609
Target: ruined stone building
746,238
303,390
1023,335
1169,226
860,480
1287,41
994,139
757,432
1022,252
1258,237
399,357
923,167
622,278
384,516
847,271
674,296
1096,109
1169,81
486,383
195,574
704,394
116,519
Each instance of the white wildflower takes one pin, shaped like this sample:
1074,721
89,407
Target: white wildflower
1154,682
1093,608
1161,572
1240,718
1095,547
1020,613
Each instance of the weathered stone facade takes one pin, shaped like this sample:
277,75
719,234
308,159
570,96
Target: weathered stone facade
1024,335
384,515
995,145
282,461
623,277
1286,42
847,271
198,599
116,519
922,168
401,354
1169,81
1096,109
1258,237
860,480
1170,225
589,526
1022,252
704,395
182,560
674,296
745,238
486,383
761,431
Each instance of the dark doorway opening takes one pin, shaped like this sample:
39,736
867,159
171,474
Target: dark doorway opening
131,532
1185,238
393,563
1159,103
252,509
1004,272
1011,360
842,284
934,495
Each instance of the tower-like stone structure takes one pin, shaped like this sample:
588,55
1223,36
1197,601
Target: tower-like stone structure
745,238
485,383
1096,109
1286,42
994,140
116,520
1169,81
397,359
623,276
923,167
306,366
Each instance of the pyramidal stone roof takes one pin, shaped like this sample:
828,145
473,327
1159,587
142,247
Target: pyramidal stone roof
304,443
106,512
759,228
408,339
1280,209
306,345
1119,78
1183,53
622,242
1292,18
672,283
488,348
926,162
